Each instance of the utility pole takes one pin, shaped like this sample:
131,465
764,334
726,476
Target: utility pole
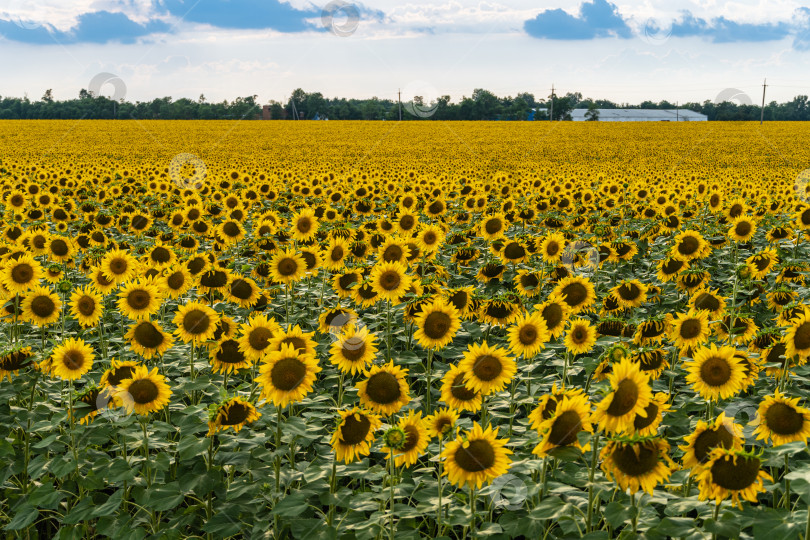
551,116
399,101
762,112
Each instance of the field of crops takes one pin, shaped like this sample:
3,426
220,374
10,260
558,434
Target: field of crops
404,330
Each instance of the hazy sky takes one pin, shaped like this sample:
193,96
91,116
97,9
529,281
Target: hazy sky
625,51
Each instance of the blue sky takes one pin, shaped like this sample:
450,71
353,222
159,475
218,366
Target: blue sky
625,51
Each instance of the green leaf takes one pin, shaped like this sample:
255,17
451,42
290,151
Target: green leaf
675,526
550,508
110,506
616,514
23,517
162,498
292,505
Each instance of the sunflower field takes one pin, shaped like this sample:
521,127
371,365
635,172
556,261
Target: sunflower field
370,330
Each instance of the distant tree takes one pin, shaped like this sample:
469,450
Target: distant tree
592,115
48,96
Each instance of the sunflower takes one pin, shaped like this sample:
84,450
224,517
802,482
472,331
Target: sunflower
415,441
782,420
287,376
551,247
20,275
581,336
72,359
759,264
555,313
148,339
709,300
296,337
493,226
86,306
353,350
528,283
234,413
732,472
476,457
430,238
528,335
797,337
41,306
336,320
456,394
60,249
440,423
715,372
668,269
630,293
690,329
385,390
688,246
195,322
652,362
91,401
335,254
117,372
145,391
139,299
393,250
547,404
570,417
354,434
437,324
287,267
13,361
743,329
99,282
175,281
577,292
723,432
119,266
487,369
462,299
389,280
630,397
256,336
160,256
637,463
648,425
742,229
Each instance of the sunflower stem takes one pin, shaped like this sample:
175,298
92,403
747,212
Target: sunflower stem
591,475
565,369
787,483
472,513
388,335
391,494
73,435
714,516
429,374
440,512
635,512
332,490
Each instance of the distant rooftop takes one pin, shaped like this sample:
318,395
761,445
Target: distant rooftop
640,115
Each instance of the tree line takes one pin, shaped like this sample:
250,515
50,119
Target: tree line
481,105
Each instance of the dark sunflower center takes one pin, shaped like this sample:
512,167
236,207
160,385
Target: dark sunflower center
550,408
565,428
784,419
241,289
22,273
801,340
390,280
429,238
487,367
354,429
574,294
383,388
147,335
707,301
436,207
353,348
138,299
407,222
231,229
15,361
731,476
392,253
529,281
513,250
43,306
119,374
624,398
235,414
552,248
528,334
287,267
742,228
288,373
337,253
411,438
86,306
715,371
579,335
629,291
493,226
651,360
176,281
479,455
143,391
553,315
297,343
635,460
259,338
346,280
161,255
437,324
671,266
460,391
652,414
710,439
761,262
498,310
196,321
214,279
229,352
691,328
459,300
59,248
805,216
688,245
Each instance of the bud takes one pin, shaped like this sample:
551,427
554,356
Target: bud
394,437
65,286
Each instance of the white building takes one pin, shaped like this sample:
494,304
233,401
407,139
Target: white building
641,115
